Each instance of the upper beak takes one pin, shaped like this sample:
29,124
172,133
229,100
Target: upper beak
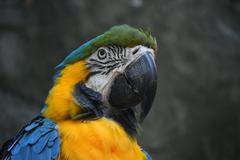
137,85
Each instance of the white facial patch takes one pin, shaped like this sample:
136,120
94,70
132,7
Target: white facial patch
108,62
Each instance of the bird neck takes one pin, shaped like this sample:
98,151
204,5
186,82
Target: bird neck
59,103
127,119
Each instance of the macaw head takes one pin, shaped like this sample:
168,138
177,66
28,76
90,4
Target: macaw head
120,66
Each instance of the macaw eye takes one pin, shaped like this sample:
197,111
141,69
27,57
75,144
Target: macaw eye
102,54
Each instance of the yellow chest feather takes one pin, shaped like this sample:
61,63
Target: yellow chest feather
102,139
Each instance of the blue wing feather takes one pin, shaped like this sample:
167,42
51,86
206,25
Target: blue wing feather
38,140
147,155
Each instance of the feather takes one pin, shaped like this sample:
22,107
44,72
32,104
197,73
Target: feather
38,140
146,154
121,35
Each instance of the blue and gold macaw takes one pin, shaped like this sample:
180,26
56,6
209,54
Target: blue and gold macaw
102,92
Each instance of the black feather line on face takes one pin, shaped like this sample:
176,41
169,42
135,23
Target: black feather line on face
105,69
112,52
115,58
110,68
101,62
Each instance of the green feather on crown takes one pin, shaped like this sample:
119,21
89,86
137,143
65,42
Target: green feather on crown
121,35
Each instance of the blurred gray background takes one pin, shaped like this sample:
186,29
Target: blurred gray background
196,111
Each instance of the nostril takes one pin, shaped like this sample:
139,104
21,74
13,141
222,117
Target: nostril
135,51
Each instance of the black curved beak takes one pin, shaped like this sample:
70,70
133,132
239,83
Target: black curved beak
137,85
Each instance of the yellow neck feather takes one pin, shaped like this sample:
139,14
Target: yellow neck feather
60,104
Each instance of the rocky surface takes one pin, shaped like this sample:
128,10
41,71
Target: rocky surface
196,111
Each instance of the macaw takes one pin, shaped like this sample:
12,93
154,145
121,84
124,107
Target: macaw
102,92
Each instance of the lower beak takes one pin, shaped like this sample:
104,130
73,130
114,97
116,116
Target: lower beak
137,85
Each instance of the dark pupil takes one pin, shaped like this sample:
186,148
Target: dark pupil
101,54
